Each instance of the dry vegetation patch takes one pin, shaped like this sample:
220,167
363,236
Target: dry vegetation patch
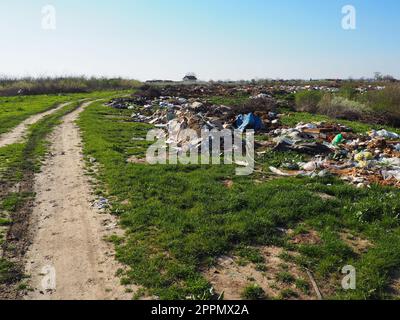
357,244
277,277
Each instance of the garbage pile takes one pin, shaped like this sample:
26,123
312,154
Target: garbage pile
176,114
330,149
197,113
267,89
360,159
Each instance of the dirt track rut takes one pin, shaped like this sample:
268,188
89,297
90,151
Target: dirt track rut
68,259
18,133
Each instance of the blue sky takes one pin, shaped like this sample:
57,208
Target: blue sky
216,39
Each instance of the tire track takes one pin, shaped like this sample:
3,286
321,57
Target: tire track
17,134
68,259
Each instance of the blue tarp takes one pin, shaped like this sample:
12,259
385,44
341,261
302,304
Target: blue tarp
249,121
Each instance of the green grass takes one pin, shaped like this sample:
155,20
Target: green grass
253,292
5,222
8,272
288,294
385,102
12,201
279,159
233,100
56,85
285,277
376,106
308,100
20,159
179,219
14,110
11,156
293,118
302,285
249,254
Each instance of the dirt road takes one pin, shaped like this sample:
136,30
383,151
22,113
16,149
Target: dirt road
68,258
18,133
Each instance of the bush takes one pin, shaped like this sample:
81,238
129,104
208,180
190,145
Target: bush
148,92
342,108
258,104
307,101
385,103
348,92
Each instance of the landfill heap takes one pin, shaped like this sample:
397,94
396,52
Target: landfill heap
199,113
272,89
360,159
175,114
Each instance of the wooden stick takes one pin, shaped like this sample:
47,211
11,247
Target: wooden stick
314,284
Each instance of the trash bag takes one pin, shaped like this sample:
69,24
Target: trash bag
249,121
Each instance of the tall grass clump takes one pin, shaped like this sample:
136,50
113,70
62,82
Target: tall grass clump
381,107
339,107
385,103
54,85
307,101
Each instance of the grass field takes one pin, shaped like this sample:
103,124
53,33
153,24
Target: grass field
19,159
56,85
180,219
14,110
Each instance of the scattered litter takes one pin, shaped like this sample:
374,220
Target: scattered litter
384,134
360,159
338,139
249,121
100,204
284,174
326,148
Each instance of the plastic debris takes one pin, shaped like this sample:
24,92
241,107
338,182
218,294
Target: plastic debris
384,134
338,139
101,204
323,148
249,121
360,159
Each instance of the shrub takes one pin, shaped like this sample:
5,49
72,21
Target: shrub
348,92
307,101
342,108
258,104
385,103
148,92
